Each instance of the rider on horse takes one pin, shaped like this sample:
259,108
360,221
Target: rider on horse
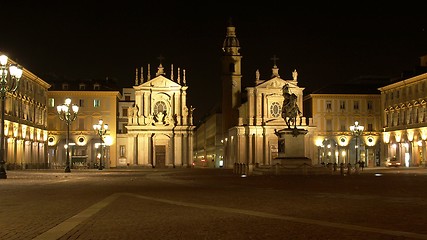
290,109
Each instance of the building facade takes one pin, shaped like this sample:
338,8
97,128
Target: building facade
95,103
25,124
335,109
404,121
209,142
159,131
253,141
246,134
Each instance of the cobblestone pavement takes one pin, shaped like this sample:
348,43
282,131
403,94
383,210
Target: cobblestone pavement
213,204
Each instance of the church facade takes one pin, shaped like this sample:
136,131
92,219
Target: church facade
159,131
247,129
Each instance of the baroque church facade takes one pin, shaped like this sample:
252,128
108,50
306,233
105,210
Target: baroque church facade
247,129
159,129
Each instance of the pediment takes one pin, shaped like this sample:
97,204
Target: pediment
158,82
276,82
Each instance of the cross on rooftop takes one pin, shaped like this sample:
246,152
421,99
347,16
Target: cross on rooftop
274,58
160,58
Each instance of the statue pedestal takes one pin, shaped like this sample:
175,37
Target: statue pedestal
291,148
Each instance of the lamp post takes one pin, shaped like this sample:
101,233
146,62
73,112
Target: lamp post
67,113
101,130
357,130
10,76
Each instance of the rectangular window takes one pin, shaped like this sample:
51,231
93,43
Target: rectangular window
127,98
328,105
329,125
64,86
370,105
356,105
81,124
81,103
342,105
82,86
124,112
122,151
96,87
231,67
370,127
96,103
51,102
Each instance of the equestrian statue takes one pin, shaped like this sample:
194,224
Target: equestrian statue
290,109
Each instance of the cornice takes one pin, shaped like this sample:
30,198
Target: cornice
84,93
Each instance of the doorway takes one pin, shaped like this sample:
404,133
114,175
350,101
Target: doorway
160,156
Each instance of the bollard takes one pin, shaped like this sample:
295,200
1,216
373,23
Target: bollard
342,169
356,168
349,168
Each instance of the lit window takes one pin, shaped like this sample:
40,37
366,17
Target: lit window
96,103
51,102
122,150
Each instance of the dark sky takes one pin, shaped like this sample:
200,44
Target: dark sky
326,44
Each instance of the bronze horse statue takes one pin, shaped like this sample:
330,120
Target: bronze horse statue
290,109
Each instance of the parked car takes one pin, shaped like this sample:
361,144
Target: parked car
392,163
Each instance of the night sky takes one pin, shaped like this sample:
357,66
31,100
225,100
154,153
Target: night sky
325,44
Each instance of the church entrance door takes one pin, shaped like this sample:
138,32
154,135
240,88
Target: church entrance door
160,156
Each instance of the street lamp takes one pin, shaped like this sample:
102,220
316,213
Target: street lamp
10,76
101,130
67,113
357,131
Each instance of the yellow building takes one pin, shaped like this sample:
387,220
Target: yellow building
25,123
95,102
208,142
404,120
334,109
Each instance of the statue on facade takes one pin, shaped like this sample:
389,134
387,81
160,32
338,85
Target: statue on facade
290,109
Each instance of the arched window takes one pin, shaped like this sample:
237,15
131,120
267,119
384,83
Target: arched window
160,106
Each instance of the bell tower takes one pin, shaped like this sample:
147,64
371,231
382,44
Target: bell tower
231,79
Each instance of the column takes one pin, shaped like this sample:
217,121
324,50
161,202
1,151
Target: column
178,146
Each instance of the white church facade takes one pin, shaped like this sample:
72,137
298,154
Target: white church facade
159,131
247,129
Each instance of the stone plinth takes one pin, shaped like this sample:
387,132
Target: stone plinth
291,148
